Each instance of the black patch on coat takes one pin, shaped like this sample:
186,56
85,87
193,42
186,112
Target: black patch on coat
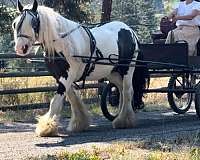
61,88
58,67
126,47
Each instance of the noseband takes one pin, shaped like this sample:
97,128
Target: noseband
35,23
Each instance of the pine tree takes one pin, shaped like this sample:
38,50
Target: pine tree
72,9
139,14
7,15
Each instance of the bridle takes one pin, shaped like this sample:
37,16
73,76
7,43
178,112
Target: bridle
35,23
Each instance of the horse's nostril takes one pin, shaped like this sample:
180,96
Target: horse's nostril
25,48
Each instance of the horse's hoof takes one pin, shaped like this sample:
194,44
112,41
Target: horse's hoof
128,121
47,127
77,126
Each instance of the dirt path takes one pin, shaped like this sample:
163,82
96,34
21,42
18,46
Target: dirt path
18,140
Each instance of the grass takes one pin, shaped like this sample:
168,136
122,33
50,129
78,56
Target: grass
156,101
153,102
26,82
147,149
41,97
21,116
65,155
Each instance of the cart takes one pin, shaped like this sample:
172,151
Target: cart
164,60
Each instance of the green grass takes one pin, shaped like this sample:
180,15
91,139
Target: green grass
147,149
65,155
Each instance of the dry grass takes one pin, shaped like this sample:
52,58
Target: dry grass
26,82
156,101
124,151
181,147
153,101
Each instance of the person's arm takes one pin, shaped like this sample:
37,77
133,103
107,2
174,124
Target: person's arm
172,14
187,17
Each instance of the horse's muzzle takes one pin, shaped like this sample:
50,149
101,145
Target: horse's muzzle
22,51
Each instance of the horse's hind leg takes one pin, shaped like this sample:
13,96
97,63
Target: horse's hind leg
80,117
48,123
126,117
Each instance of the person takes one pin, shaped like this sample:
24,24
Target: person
186,16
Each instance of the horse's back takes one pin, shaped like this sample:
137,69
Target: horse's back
114,26
107,36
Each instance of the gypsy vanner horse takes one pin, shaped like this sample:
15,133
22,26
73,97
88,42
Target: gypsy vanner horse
62,40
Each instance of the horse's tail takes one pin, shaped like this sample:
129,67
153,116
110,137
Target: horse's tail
140,80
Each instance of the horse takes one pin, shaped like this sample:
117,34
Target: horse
63,40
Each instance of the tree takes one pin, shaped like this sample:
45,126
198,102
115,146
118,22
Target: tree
139,14
106,10
7,15
72,9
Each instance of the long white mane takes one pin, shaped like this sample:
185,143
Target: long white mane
51,25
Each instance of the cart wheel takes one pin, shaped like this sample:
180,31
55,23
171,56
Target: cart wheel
110,101
180,102
197,101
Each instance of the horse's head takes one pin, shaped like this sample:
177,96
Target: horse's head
26,28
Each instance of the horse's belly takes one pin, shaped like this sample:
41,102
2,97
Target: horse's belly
100,71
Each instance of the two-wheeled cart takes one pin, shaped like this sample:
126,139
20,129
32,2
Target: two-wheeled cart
165,60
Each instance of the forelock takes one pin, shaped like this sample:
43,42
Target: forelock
28,6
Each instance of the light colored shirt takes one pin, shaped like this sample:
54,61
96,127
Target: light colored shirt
184,9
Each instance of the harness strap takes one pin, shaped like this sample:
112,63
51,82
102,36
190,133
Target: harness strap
35,23
90,66
63,35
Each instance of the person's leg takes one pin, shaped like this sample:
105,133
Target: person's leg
191,35
172,36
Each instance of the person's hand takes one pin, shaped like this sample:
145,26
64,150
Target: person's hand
175,18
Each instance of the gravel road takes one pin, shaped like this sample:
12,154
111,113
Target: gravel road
18,140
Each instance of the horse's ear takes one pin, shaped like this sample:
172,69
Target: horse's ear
35,5
19,6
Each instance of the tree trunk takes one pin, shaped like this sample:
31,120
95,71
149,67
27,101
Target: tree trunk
105,17
106,10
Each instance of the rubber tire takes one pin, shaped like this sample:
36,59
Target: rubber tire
171,98
103,103
197,101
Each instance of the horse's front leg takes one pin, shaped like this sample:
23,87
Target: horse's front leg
48,123
126,117
80,117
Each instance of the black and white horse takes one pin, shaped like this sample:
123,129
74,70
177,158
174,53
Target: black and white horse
64,38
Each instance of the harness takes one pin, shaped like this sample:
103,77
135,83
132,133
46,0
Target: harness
35,23
90,66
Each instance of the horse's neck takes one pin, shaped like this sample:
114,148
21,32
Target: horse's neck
76,43
77,38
